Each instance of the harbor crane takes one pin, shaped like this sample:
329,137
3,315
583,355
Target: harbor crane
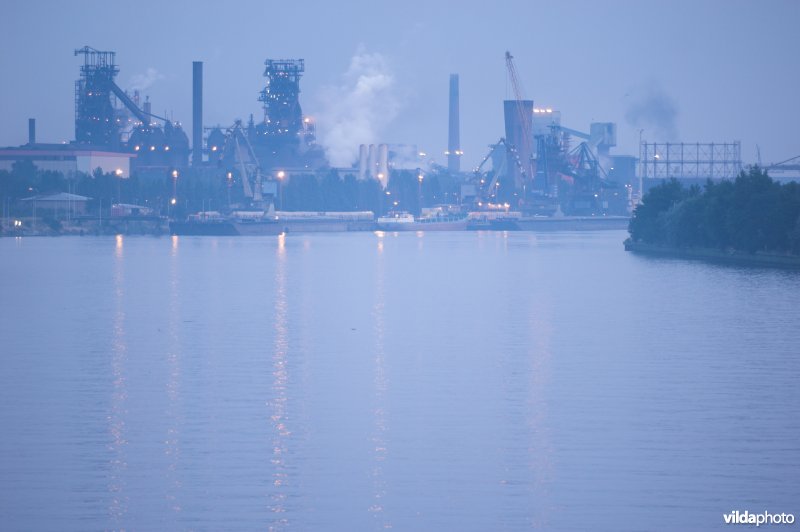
522,115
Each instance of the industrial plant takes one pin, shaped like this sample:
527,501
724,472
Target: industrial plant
538,168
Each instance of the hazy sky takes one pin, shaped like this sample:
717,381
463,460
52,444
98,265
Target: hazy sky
378,72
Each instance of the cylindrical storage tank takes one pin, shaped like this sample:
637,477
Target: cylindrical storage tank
372,162
362,161
383,164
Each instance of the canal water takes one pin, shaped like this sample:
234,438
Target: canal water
362,381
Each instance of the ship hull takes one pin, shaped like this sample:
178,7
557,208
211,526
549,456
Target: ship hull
456,225
266,228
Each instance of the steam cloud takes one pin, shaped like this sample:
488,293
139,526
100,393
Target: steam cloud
140,82
358,109
652,109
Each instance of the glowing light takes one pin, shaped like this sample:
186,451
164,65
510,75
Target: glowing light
118,171
173,201
166,148
281,174
152,148
175,174
213,148
136,148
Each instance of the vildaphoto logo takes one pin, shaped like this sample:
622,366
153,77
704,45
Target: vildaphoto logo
746,518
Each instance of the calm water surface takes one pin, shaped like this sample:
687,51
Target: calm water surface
450,381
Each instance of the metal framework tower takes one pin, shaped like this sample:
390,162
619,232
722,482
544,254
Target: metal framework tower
95,120
283,117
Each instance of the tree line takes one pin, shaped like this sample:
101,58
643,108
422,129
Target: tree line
750,213
194,191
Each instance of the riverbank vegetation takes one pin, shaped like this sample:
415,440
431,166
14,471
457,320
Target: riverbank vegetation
326,190
750,214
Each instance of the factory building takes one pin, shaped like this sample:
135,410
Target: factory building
68,159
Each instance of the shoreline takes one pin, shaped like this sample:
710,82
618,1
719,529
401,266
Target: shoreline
715,255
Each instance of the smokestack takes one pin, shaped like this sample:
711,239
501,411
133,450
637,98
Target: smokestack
372,162
362,161
147,107
453,138
383,164
31,131
197,113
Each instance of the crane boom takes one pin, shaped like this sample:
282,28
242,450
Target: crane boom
525,121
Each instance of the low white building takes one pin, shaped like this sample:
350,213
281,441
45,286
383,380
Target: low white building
68,159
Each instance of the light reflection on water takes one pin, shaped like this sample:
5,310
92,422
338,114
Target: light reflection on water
172,440
278,403
380,423
118,496
470,381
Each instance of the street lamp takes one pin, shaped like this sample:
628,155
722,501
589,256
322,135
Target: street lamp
641,167
281,174
229,177
420,177
175,175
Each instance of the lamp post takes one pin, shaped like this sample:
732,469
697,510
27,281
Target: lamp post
118,172
420,177
641,168
281,174
175,175
229,179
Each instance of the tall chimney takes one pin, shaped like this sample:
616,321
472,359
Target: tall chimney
31,131
197,113
453,138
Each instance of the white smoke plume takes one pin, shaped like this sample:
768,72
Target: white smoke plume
141,82
356,111
652,109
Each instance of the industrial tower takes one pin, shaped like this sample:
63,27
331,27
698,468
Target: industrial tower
99,123
95,120
283,118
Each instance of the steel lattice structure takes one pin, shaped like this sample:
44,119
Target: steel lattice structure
684,160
